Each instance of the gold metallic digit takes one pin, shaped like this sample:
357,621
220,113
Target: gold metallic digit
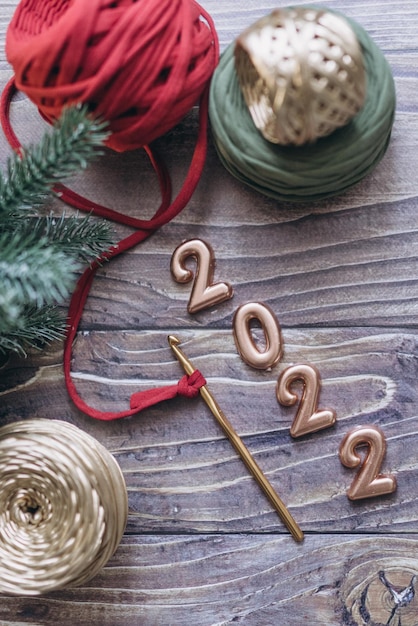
204,292
244,341
239,446
368,481
308,418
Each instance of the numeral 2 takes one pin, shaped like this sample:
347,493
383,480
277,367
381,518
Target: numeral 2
308,418
245,342
368,481
204,292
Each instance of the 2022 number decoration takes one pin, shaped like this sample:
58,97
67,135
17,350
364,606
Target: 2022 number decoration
205,293
309,418
368,482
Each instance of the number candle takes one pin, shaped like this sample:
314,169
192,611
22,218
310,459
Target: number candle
368,481
205,293
308,418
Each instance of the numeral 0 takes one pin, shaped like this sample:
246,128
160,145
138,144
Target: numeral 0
245,342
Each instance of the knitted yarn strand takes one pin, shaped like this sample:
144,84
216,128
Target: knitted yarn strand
140,65
143,66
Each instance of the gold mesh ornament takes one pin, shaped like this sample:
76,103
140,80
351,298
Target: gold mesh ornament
63,506
301,73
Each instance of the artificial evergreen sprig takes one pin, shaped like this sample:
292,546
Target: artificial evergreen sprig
31,271
40,255
79,237
36,328
72,143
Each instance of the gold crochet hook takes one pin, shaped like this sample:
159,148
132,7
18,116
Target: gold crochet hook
239,446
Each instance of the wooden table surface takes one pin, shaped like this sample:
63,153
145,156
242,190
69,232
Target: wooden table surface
203,546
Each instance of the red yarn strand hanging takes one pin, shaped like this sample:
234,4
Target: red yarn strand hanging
141,66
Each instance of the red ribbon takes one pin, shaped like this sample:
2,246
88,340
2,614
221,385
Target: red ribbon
166,212
139,65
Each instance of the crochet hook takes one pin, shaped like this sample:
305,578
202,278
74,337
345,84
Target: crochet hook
239,446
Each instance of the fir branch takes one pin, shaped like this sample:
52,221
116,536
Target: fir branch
32,273
81,238
36,328
40,256
72,143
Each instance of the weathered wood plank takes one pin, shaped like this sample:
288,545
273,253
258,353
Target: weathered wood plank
338,263
181,472
349,268
256,581
340,267
341,278
383,19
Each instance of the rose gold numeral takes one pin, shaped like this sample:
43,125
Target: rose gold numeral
308,419
204,293
244,340
368,481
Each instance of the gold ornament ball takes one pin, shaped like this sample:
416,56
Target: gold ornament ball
301,73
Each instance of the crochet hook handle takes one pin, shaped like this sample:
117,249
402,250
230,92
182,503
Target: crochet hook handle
239,446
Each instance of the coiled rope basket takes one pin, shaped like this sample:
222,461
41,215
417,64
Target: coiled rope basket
331,164
63,506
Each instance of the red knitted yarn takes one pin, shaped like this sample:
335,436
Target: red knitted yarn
140,64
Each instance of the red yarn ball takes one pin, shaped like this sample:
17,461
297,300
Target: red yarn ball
140,64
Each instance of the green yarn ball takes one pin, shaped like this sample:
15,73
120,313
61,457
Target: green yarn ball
314,171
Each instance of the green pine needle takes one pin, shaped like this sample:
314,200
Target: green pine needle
81,238
67,149
40,256
37,328
32,273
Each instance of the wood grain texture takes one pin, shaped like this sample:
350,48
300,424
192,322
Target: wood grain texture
333,264
153,581
203,546
180,470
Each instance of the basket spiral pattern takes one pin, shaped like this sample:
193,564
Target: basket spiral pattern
301,72
63,506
